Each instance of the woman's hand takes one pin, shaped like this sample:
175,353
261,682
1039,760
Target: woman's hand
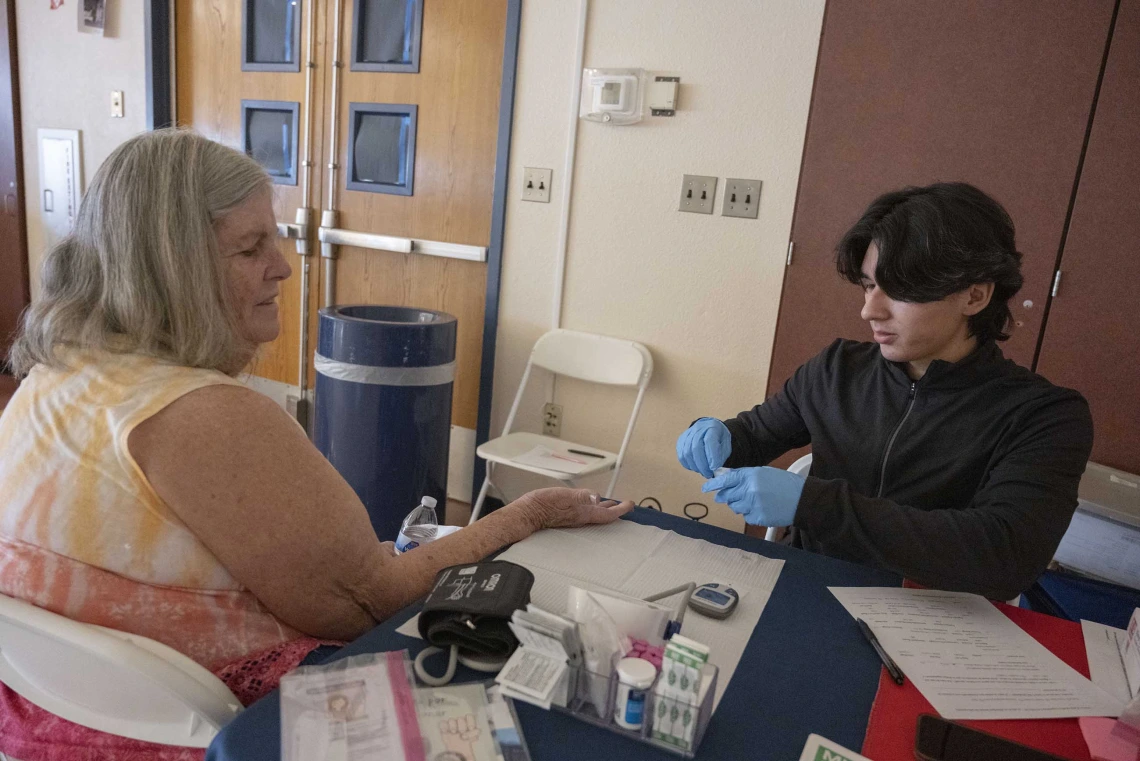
559,507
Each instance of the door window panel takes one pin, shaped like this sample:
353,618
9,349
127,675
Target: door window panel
269,135
271,35
386,35
381,147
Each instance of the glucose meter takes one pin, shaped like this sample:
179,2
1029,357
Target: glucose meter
714,600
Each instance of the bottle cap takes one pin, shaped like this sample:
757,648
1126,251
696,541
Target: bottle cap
636,672
429,502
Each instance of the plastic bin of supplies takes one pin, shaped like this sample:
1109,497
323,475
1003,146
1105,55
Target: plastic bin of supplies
660,713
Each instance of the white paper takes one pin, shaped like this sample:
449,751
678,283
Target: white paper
547,459
454,722
639,561
1101,547
632,617
410,628
533,676
969,660
538,641
816,745
1130,653
1103,645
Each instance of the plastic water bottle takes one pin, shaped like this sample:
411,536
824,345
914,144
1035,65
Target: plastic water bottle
420,527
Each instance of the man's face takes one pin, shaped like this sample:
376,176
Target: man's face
919,333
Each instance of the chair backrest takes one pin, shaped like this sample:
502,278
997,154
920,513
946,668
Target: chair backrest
594,358
802,466
108,680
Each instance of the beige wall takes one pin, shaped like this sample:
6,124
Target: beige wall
66,79
701,291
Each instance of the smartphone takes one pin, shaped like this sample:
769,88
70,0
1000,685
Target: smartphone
940,740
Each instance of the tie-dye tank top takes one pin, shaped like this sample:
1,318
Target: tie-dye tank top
84,534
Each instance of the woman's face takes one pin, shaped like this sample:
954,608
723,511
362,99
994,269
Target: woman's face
253,265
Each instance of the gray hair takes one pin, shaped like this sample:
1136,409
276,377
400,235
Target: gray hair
141,271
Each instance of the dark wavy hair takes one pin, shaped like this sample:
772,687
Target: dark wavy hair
936,241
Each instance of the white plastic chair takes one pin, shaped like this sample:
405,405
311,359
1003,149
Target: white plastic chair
585,356
109,680
800,467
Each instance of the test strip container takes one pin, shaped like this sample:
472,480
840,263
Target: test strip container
581,706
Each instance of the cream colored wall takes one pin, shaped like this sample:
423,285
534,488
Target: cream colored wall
66,79
702,292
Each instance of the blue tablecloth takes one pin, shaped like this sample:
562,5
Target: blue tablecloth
806,669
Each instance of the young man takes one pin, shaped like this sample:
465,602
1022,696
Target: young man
932,455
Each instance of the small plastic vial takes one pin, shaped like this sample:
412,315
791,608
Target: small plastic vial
635,677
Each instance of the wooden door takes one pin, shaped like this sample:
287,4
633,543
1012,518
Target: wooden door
448,191
444,211
13,241
1092,336
226,79
993,93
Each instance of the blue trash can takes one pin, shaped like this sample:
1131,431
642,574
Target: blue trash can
383,405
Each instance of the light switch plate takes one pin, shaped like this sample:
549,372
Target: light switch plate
661,97
536,184
741,198
117,104
697,194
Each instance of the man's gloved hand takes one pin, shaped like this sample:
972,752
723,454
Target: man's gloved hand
764,496
704,446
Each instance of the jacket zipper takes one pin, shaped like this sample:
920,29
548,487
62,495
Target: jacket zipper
891,441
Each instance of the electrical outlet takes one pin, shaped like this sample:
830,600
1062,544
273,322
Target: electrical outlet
536,184
741,198
117,104
552,419
697,194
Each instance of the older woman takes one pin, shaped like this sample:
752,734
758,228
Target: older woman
144,487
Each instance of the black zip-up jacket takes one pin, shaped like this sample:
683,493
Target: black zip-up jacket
964,480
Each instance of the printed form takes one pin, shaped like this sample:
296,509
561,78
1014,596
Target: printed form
969,660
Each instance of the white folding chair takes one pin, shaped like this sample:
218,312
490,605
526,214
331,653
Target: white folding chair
588,357
109,680
800,467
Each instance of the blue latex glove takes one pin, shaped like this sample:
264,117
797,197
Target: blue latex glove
764,496
705,446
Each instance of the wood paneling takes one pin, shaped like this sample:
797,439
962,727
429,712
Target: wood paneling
8,386
993,93
1092,337
457,92
210,88
14,293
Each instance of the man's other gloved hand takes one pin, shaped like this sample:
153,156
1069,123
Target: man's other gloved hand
764,496
704,446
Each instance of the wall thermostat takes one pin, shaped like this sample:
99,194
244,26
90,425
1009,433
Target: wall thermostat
612,96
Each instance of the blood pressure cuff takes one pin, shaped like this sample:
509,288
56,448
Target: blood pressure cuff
470,606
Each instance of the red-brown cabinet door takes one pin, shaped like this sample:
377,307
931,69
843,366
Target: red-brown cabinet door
13,242
993,93
1092,336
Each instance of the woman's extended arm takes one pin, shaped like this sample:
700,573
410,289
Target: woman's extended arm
244,478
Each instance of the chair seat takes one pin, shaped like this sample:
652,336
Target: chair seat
505,449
